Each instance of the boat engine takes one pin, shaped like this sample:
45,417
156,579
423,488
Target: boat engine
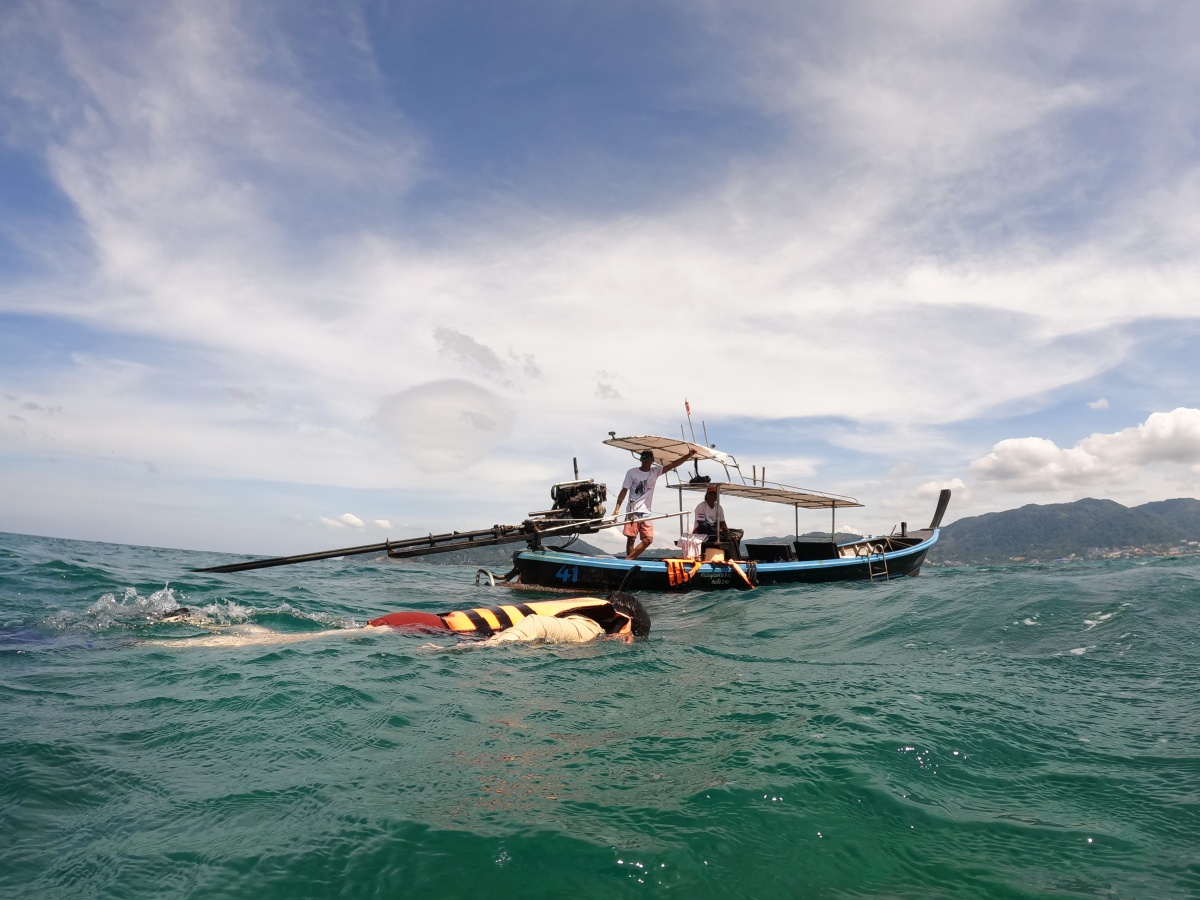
579,500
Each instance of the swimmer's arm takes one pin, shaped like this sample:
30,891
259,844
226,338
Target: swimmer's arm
549,629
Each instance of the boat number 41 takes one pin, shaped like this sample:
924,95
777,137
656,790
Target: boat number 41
567,573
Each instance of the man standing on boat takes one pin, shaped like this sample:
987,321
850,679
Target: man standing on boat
639,485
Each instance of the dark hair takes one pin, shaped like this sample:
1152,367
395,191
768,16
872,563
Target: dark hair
630,605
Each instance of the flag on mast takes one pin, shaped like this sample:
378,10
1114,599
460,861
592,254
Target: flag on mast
687,407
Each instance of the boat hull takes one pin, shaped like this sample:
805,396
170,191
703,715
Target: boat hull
570,571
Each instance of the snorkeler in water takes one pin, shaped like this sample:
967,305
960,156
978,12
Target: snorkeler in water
575,620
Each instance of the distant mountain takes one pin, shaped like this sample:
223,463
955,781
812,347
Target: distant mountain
1062,529
1183,512
841,538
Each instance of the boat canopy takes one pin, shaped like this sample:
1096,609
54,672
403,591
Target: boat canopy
667,450
775,494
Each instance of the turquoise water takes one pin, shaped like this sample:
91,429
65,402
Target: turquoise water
1002,732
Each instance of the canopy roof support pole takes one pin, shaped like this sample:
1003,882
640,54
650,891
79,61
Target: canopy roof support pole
681,508
833,522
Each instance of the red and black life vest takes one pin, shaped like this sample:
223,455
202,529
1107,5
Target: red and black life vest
487,620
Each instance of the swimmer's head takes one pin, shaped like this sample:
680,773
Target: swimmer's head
630,607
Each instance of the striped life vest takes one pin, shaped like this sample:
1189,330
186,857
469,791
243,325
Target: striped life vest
487,620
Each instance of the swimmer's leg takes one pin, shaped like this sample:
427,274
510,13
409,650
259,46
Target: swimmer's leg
410,620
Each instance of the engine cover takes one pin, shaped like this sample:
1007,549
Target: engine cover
579,500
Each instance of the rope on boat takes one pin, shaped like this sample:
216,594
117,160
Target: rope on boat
753,567
628,575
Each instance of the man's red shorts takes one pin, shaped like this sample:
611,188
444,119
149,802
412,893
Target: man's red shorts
634,527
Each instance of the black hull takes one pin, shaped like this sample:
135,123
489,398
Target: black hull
569,571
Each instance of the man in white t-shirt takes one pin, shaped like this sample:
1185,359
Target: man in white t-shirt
709,518
639,486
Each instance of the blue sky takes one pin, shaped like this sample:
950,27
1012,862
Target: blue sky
276,278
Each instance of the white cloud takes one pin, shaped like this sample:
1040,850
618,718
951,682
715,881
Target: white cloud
886,259
444,425
454,343
345,520
383,523
229,280
228,277
793,470
1102,403
1038,464
931,490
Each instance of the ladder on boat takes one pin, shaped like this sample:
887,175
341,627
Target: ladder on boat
877,567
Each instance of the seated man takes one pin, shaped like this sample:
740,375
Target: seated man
709,518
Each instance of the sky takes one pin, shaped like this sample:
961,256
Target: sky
277,276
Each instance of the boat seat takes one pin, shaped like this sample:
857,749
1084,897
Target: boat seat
810,551
729,548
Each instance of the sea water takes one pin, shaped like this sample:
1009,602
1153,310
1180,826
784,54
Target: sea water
974,732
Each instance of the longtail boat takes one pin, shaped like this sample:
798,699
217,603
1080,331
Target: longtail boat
578,508
732,564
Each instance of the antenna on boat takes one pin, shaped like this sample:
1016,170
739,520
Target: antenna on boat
687,407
